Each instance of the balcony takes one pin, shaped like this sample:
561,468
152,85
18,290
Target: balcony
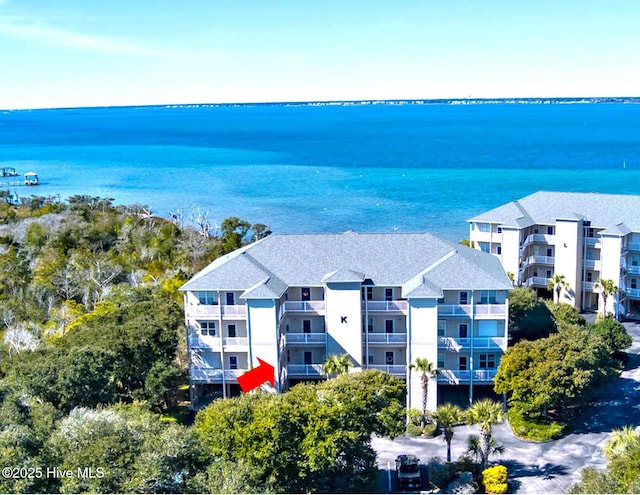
209,342
632,293
592,264
456,377
393,369
589,286
537,281
538,260
304,370
592,242
385,339
482,311
543,238
385,306
304,307
633,246
306,338
214,375
633,270
217,311
457,344
463,310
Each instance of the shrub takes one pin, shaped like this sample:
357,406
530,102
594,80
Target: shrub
441,473
415,416
539,430
413,430
495,479
463,484
429,429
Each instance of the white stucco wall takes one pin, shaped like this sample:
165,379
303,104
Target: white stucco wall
343,318
568,259
423,343
263,336
610,266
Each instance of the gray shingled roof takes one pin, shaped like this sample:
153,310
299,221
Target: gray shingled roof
267,267
617,213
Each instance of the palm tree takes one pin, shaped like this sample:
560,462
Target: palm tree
607,288
556,284
336,365
620,441
427,370
485,413
473,447
448,416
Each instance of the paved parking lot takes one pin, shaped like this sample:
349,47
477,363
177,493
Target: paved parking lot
551,467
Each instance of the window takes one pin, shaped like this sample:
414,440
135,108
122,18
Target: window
231,299
535,231
549,252
442,328
484,246
499,249
288,355
462,363
369,293
306,326
548,273
388,294
550,230
369,324
388,357
206,297
487,361
305,294
233,362
207,327
488,297
440,364
388,326
463,331
286,327
464,298
634,283
499,230
231,330
308,357
370,358
589,277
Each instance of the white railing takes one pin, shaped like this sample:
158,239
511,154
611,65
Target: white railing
204,341
297,370
589,286
546,238
306,338
455,344
591,264
304,306
481,310
385,338
211,310
235,341
490,310
538,260
283,342
454,309
385,306
537,281
458,376
633,269
633,246
214,374
592,241
635,293
394,369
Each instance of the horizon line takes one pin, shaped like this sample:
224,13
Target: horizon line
365,101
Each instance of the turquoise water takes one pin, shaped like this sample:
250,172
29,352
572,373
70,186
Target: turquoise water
328,169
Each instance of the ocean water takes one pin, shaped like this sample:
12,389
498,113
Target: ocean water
328,168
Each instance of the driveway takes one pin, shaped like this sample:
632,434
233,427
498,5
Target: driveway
550,467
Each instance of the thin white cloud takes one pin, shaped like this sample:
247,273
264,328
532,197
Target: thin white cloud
60,37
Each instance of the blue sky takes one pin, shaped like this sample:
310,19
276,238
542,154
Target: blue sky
57,53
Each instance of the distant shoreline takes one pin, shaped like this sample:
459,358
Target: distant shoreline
391,102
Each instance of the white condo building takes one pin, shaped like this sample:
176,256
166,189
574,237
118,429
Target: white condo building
583,236
383,299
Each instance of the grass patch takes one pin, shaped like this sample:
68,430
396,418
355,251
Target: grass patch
539,430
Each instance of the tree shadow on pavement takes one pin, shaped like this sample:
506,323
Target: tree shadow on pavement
546,471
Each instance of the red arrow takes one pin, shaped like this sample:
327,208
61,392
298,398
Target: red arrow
256,377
